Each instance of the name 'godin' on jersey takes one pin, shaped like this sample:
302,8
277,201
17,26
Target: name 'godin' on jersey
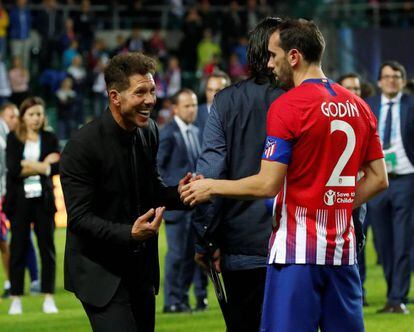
339,109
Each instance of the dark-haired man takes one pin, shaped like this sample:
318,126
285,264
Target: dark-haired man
319,135
178,153
115,200
235,232
391,213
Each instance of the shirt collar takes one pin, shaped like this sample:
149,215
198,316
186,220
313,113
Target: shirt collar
395,100
182,125
124,136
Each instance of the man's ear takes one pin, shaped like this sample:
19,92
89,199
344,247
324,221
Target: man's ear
294,57
114,97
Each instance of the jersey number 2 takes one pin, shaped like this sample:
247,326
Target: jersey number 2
336,180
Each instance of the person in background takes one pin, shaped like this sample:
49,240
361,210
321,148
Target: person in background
9,117
19,78
391,213
32,158
215,83
4,24
65,104
19,33
177,154
352,82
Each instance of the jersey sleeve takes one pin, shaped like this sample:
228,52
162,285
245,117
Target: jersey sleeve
374,148
282,129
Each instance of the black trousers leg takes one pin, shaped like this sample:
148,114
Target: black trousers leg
128,311
44,227
245,290
20,236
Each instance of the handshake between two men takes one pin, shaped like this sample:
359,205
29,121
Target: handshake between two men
148,224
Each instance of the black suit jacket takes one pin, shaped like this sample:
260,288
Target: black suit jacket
95,181
15,197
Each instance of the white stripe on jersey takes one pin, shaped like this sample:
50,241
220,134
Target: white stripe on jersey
340,221
279,244
321,232
300,217
351,243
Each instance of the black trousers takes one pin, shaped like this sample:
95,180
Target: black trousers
245,291
130,310
32,210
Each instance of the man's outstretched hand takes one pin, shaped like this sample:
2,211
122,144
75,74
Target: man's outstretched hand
143,228
197,191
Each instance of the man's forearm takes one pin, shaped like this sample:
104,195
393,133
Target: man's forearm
255,186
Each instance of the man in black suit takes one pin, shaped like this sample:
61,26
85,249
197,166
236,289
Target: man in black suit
111,187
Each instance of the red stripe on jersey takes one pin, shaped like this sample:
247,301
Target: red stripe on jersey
311,240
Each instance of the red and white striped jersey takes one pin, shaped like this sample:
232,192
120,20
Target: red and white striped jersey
324,134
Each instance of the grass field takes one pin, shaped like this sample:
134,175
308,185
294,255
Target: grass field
71,317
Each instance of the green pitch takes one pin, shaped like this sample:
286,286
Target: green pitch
72,318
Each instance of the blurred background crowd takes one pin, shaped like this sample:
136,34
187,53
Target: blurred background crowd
58,49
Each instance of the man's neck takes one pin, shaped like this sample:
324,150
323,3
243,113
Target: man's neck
119,119
391,95
308,72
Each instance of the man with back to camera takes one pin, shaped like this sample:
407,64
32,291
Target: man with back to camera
235,232
319,136
178,152
112,192
215,83
352,82
391,213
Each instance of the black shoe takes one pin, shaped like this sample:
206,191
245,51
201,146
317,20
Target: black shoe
394,309
202,304
6,294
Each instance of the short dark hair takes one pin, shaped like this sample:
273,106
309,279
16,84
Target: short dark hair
257,50
348,75
123,66
220,74
303,35
175,96
395,65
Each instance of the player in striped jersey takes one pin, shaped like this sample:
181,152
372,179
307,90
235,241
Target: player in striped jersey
319,136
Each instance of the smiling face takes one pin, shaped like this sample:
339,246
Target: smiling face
391,82
278,62
133,106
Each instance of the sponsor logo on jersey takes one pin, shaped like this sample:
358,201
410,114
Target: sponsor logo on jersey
329,197
340,110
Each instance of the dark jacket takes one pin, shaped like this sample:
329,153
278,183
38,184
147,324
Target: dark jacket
237,227
407,121
173,162
15,196
95,176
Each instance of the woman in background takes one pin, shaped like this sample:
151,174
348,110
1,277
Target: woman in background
32,157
